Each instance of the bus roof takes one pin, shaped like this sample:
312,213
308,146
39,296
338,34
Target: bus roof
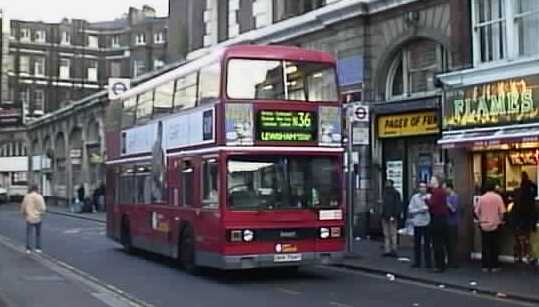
237,51
277,52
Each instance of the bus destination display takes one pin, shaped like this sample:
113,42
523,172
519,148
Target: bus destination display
286,126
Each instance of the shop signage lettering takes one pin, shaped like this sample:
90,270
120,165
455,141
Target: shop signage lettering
408,124
286,126
512,101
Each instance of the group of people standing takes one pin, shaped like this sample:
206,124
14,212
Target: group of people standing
520,215
433,212
82,203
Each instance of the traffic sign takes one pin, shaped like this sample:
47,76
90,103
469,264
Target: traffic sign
359,113
118,86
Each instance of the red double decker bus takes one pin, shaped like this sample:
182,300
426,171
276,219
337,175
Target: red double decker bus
232,160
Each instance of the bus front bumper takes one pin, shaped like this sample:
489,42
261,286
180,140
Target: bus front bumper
268,260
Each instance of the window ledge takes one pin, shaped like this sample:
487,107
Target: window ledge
492,71
414,96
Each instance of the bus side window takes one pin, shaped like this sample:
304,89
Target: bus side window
187,184
210,183
208,83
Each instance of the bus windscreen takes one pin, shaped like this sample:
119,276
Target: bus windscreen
281,80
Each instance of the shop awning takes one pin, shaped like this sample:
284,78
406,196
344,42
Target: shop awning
490,136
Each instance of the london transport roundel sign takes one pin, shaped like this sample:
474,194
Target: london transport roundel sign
360,113
118,86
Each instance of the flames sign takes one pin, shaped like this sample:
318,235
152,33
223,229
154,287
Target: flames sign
503,102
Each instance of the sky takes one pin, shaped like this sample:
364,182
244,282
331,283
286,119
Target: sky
92,10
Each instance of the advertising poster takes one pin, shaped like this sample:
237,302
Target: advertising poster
239,124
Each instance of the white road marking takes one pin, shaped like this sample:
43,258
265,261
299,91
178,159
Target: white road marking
288,291
339,304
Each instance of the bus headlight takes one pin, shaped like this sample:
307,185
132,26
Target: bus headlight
248,235
324,233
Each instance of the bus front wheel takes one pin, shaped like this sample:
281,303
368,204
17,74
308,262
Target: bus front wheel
187,251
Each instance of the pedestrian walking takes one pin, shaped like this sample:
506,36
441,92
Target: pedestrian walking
391,211
419,216
439,214
32,208
453,222
490,211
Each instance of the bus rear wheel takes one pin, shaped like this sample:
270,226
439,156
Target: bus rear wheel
126,237
187,251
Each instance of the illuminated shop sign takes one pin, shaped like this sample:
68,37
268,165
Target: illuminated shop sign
286,126
502,102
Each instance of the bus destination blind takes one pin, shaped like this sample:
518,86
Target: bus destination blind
286,126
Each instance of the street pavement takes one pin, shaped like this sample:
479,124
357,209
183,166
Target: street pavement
158,281
27,280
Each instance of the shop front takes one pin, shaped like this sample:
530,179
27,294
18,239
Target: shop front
491,132
409,151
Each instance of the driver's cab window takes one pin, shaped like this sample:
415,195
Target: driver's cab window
210,183
187,174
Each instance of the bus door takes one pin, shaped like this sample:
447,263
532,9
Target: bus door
208,215
188,192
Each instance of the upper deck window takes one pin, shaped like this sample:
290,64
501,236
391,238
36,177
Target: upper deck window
278,80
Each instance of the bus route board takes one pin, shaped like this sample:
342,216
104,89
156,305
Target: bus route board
286,126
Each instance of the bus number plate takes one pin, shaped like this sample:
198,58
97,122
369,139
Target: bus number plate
287,257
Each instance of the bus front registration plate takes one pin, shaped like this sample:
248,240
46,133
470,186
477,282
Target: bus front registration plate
287,257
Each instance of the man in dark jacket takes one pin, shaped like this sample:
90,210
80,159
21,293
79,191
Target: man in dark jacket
391,211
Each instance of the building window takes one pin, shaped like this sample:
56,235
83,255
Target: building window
39,102
10,63
262,12
527,27
92,70
490,29
115,69
159,37
140,39
25,35
93,41
504,29
284,9
115,41
413,69
139,67
19,178
210,23
65,68
66,38
233,25
40,36
24,96
39,66
24,64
